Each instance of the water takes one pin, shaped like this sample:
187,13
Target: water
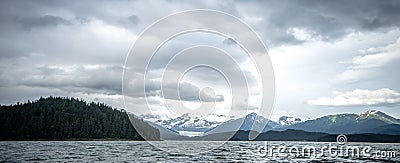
118,151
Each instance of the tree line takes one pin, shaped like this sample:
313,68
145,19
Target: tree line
58,118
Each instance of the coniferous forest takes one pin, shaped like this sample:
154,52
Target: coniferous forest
59,118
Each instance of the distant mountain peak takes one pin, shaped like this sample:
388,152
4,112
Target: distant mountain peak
288,120
348,123
251,116
371,112
189,122
374,113
188,115
378,115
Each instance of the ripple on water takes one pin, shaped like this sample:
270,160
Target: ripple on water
120,151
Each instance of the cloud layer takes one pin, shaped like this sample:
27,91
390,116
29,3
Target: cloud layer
359,97
371,63
78,48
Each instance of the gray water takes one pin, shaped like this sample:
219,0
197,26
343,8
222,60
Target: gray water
119,151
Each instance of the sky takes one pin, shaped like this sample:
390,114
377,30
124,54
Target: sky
328,56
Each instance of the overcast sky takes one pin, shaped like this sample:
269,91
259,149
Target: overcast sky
328,56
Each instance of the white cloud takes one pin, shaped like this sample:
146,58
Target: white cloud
386,55
359,97
301,34
368,65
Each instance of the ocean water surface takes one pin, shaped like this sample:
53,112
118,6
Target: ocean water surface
119,151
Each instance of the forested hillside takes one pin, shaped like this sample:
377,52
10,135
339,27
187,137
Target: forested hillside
59,118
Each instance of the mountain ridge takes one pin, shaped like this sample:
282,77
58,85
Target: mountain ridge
370,121
347,123
187,122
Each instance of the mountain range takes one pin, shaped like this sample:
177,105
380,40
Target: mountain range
188,122
370,121
245,124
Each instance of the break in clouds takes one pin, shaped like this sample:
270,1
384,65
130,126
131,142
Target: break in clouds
78,49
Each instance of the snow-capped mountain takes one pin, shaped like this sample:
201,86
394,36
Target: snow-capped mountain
348,123
379,115
246,124
189,122
251,119
193,123
288,120
370,121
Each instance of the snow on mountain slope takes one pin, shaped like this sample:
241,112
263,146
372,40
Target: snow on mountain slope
288,120
245,124
189,122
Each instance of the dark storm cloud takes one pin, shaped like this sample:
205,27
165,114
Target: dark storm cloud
43,21
326,20
186,92
44,13
65,36
133,19
129,22
190,92
99,79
